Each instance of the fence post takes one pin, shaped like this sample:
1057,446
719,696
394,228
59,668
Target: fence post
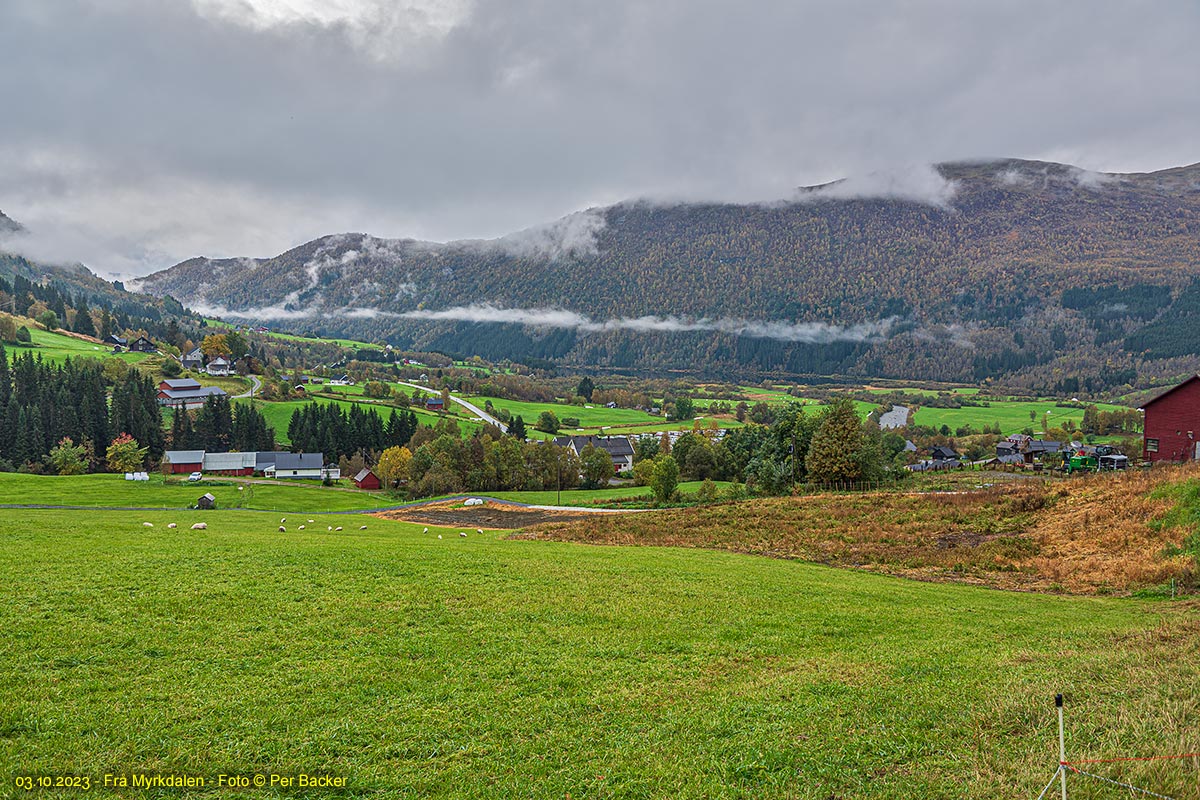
1062,746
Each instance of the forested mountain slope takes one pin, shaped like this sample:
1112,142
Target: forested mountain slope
1026,269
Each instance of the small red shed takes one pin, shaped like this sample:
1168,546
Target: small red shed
1171,431
366,479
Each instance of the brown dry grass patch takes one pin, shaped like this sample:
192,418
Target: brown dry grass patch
1092,535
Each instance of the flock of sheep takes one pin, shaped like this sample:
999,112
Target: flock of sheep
463,534
202,526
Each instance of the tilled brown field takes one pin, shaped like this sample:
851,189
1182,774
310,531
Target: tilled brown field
492,516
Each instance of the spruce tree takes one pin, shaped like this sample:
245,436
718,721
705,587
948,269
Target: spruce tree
83,319
837,447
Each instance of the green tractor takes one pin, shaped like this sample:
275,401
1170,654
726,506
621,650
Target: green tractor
1094,459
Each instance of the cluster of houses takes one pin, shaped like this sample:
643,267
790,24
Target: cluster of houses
218,365
120,344
279,465
619,448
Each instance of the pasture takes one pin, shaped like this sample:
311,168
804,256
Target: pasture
103,490
486,667
57,347
1012,415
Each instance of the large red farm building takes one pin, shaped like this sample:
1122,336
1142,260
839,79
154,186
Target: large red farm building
1172,426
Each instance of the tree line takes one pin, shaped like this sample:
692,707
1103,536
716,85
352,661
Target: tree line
41,404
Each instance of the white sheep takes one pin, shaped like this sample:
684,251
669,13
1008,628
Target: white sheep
172,525
462,534
427,531
200,526
338,528
283,520
147,524
362,527
310,521
301,527
439,536
330,527
479,530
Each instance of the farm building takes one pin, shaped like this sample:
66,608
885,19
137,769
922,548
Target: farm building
297,466
142,345
187,398
1173,423
218,366
264,459
619,448
366,479
230,463
183,461
179,384
342,381
118,343
434,404
942,453
206,500
1026,448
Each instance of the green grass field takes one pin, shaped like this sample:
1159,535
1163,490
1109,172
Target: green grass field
589,417
484,667
1012,415
288,337
58,347
108,491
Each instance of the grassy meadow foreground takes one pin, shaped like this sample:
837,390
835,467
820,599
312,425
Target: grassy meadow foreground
490,667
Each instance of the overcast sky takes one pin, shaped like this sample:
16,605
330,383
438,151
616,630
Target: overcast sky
137,133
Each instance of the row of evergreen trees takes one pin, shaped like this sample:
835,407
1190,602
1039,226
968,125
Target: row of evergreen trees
221,426
41,403
329,429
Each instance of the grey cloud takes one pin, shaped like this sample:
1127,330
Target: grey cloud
141,132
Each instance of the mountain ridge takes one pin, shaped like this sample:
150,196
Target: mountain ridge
973,283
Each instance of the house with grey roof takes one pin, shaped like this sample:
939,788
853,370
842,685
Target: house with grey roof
619,448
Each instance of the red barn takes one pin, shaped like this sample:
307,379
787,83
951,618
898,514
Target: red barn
1173,424
366,479
183,461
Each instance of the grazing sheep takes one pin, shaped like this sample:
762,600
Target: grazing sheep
172,525
282,529
200,526
330,527
301,527
427,531
439,536
147,524
362,527
462,534
310,521
283,520
479,530
338,528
